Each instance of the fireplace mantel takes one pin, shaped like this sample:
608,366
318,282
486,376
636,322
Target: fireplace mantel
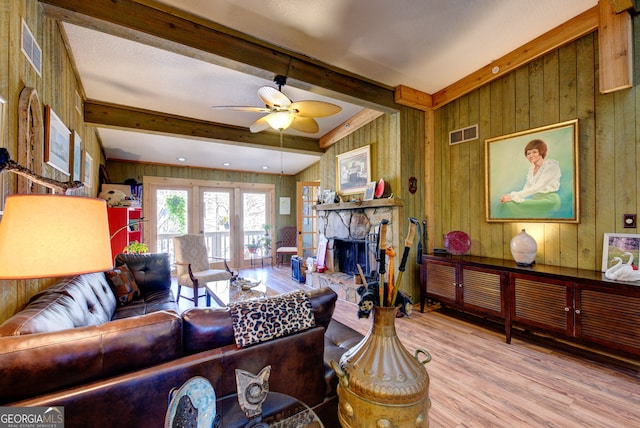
386,202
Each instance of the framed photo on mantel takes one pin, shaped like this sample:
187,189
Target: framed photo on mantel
353,171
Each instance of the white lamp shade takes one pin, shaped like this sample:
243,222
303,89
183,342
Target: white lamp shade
52,235
280,120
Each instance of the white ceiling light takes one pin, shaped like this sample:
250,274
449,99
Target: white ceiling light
280,121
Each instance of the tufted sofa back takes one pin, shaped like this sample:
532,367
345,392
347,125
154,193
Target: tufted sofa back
78,301
152,271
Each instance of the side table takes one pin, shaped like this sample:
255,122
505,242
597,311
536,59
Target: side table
278,410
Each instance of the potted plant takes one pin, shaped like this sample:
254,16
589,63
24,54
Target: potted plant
224,222
136,247
253,245
266,241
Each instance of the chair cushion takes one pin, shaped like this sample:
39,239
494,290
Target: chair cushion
256,321
287,250
204,276
123,284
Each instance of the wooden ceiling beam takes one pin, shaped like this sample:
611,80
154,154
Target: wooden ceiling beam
413,98
188,35
98,113
615,47
349,126
583,24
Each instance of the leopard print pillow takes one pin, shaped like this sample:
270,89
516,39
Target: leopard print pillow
256,321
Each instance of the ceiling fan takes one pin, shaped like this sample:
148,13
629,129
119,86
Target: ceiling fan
284,113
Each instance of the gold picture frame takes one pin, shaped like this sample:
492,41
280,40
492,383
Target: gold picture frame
533,175
353,171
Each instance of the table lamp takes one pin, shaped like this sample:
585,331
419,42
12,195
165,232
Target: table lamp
47,235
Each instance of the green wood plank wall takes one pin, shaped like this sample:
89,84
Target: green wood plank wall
397,153
560,86
56,87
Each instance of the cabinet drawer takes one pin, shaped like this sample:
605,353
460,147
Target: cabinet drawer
482,289
610,317
441,281
543,303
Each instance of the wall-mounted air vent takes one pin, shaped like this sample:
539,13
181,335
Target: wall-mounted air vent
465,134
31,49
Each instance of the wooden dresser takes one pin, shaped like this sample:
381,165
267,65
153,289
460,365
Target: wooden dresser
579,305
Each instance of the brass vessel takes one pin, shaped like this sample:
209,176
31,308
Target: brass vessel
381,384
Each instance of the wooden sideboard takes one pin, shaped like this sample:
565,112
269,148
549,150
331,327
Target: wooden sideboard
579,305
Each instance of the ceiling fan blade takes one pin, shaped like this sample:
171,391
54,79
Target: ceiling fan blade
273,97
243,108
315,108
259,125
305,124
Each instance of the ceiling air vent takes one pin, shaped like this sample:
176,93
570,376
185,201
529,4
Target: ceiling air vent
30,49
465,134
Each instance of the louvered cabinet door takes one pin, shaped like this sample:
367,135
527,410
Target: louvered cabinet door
481,290
608,318
543,303
441,281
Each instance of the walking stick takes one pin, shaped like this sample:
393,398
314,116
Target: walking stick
405,255
382,247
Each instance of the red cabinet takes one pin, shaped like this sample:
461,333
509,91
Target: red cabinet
124,227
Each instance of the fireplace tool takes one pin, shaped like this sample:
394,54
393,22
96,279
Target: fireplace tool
408,242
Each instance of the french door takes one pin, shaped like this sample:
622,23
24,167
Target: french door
229,216
307,196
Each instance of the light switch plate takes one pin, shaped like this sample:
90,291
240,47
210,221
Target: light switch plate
629,221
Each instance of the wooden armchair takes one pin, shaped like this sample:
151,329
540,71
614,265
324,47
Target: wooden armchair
287,244
193,265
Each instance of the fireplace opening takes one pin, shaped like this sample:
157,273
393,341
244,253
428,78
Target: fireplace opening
349,253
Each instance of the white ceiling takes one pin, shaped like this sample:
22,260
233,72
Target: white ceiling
424,44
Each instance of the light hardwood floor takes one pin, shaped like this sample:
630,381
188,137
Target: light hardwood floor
478,380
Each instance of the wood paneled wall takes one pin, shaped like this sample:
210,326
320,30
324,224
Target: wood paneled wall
285,185
397,153
562,85
57,87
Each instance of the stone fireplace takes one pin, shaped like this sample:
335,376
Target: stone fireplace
351,230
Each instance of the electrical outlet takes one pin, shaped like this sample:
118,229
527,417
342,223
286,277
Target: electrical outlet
629,221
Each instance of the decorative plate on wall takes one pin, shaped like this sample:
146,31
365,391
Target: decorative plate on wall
457,242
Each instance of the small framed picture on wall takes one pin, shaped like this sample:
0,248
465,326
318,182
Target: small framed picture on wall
88,165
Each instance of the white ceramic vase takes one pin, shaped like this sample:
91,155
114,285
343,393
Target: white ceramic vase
524,248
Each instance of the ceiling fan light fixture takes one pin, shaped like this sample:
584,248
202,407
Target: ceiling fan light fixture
280,120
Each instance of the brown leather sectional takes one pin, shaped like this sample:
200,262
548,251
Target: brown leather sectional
119,372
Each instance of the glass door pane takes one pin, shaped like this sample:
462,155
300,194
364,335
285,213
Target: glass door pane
172,218
307,237
255,216
217,218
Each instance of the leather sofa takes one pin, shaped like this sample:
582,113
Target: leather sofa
119,372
